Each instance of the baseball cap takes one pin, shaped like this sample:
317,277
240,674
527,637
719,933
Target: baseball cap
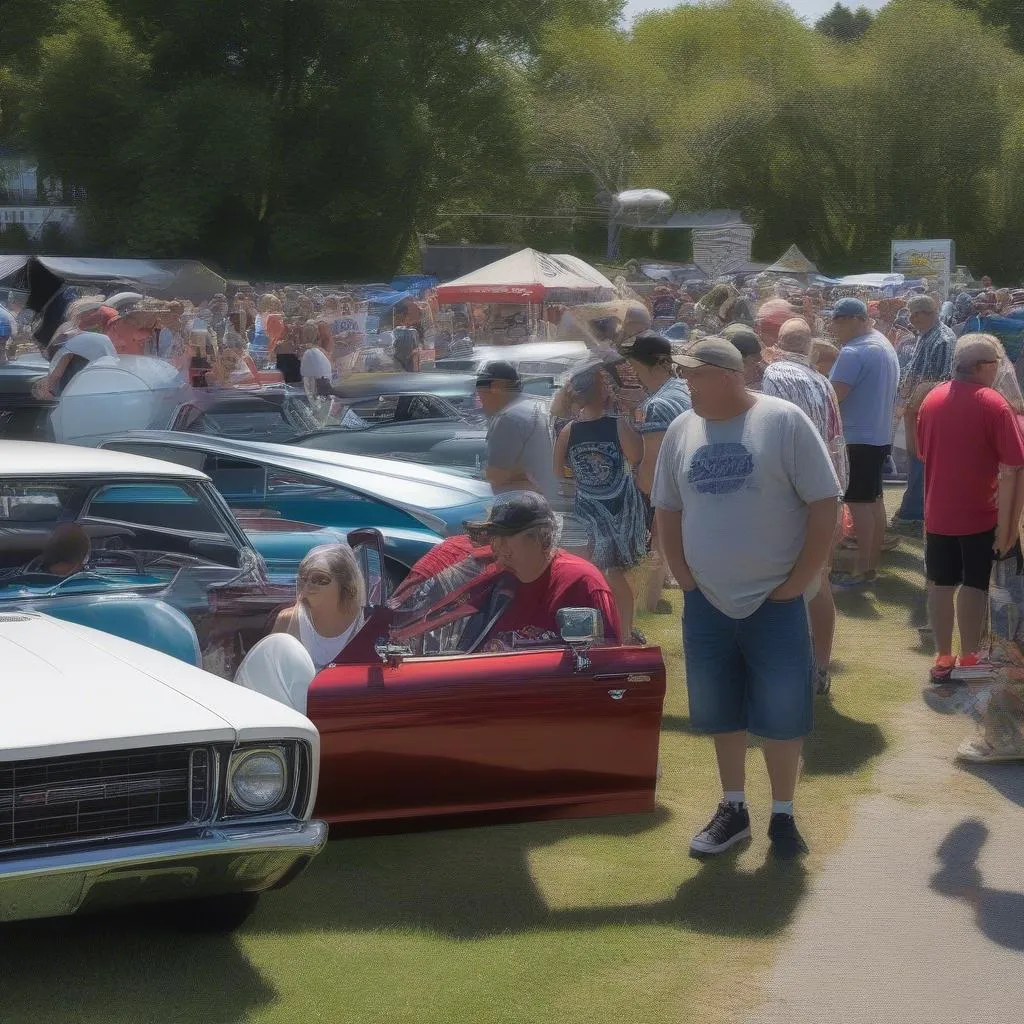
849,307
744,338
511,515
646,346
497,370
711,351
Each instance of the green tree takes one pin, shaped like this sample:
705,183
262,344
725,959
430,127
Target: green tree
843,24
1005,15
314,137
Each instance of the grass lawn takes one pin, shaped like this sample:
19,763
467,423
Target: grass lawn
598,921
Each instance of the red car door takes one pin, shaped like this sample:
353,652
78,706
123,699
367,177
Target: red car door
520,733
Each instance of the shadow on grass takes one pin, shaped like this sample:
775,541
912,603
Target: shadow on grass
838,744
471,885
125,968
856,604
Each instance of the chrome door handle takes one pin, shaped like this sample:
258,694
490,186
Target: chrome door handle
616,694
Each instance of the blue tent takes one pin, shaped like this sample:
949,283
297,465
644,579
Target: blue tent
387,299
415,283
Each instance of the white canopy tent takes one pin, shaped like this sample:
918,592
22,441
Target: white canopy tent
530,277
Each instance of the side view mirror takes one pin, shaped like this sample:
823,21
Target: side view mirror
580,629
368,545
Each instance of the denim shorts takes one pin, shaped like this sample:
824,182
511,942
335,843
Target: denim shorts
753,674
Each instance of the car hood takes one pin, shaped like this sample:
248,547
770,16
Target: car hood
68,689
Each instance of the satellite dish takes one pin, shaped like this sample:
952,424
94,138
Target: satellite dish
114,394
638,205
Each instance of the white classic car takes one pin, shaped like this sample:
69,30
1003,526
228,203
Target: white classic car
129,776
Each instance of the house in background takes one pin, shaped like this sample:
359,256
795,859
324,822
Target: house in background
31,203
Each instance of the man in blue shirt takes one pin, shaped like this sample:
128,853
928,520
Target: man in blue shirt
866,378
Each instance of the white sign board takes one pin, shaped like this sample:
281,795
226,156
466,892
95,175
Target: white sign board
925,257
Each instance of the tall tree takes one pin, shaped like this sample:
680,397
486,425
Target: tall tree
844,24
1005,15
314,135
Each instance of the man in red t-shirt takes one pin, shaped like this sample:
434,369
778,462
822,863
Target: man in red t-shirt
521,529
965,431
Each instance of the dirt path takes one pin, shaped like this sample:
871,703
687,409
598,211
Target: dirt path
920,915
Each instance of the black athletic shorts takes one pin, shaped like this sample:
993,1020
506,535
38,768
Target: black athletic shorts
867,466
949,561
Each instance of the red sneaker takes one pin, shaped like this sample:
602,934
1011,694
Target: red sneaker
943,668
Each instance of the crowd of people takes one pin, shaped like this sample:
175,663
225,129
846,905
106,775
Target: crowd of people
729,439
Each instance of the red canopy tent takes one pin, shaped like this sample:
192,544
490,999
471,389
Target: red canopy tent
530,277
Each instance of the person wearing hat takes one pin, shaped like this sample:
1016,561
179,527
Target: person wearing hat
650,357
866,378
749,346
761,504
522,532
930,363
790,376
519,448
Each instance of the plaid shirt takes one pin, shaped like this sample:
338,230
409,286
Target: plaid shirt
930,362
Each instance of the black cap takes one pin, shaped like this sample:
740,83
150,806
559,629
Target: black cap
511,515
646,348
744,338
498,370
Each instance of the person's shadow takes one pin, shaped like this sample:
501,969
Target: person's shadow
472,884
999,914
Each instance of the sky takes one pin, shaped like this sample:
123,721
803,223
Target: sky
809,9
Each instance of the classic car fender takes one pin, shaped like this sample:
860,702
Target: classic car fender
143,620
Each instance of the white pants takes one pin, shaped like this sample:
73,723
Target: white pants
279,667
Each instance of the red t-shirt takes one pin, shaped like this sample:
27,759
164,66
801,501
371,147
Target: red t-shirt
964,433
568,582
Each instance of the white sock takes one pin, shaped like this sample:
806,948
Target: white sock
782,807
734,797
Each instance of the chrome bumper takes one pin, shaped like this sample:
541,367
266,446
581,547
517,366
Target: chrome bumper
210,862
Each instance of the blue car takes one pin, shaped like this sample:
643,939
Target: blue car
412,505
138,548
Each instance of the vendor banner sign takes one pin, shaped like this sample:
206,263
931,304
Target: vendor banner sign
925,257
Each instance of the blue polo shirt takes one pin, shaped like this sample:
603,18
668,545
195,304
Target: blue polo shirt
870,367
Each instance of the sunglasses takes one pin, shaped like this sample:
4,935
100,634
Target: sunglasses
315,579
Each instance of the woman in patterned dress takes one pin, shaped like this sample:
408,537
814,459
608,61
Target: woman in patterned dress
607,499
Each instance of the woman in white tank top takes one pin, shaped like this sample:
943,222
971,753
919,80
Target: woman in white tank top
329,610
310,634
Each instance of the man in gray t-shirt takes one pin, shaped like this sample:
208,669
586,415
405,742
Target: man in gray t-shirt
519,448
747,503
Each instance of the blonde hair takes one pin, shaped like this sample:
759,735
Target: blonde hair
339,562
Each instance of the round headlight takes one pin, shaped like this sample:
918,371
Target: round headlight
258,780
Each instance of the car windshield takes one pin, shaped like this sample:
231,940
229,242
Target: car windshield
380,410
257,420
82,536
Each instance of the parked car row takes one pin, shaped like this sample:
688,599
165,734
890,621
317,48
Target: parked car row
132,769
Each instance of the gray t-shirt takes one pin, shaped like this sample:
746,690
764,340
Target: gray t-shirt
743,486
518,438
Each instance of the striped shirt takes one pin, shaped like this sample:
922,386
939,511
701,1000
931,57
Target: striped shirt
672,399
792,378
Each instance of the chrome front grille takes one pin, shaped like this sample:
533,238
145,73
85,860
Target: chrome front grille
90,796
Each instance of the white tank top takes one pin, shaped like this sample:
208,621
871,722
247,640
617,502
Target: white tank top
323,649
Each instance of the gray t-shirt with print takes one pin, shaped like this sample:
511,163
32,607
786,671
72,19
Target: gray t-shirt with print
743,486
518,438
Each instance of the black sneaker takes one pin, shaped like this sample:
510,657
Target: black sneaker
822,682
729,825
787,842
